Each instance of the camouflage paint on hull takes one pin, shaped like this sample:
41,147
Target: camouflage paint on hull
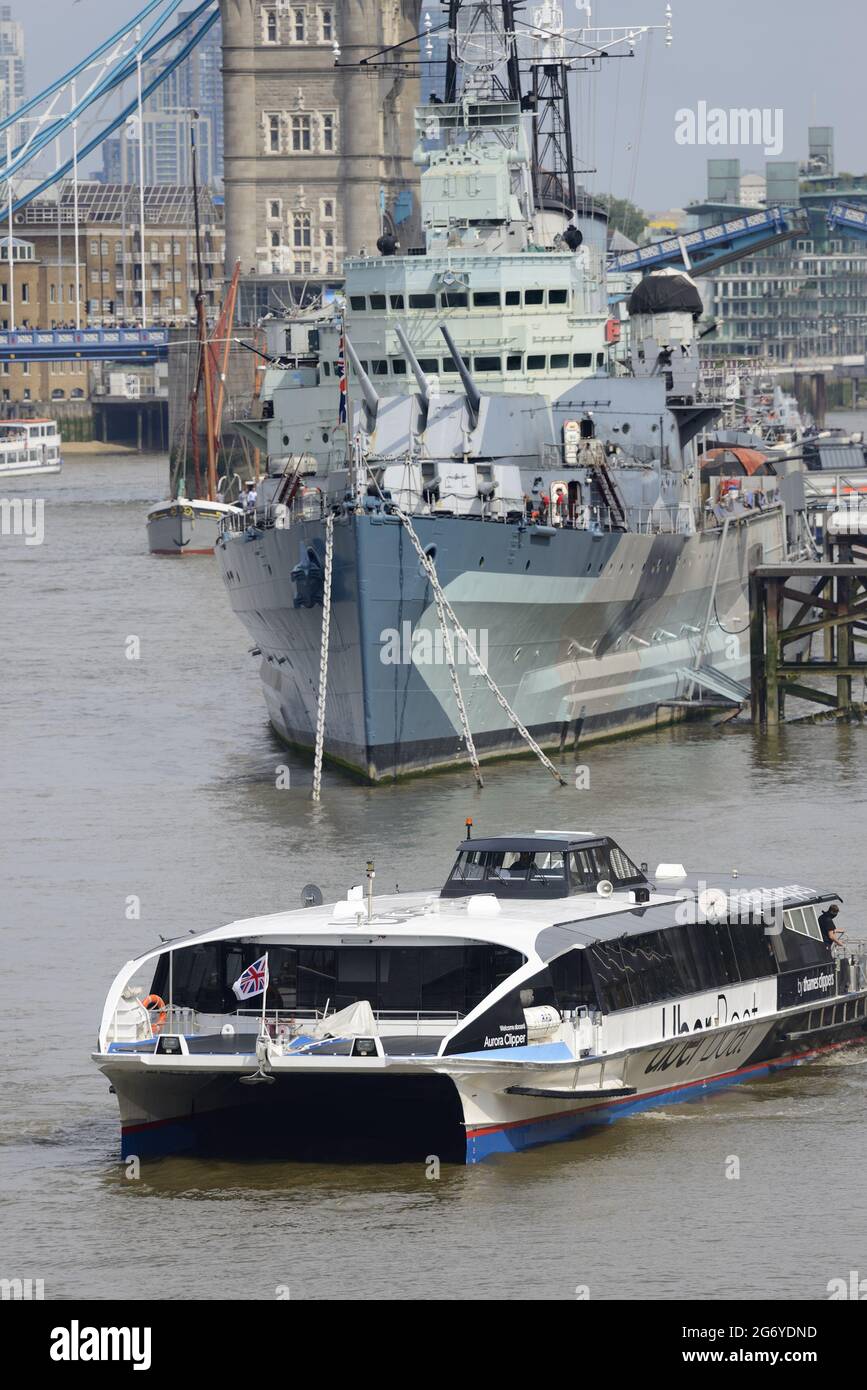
583,634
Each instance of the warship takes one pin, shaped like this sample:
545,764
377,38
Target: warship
484,524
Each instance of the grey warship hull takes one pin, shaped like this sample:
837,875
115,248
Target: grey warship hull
586,635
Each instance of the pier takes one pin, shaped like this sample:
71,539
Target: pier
838,593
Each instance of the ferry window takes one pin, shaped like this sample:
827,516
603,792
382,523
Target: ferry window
752,949
622,868
558,296
454,299
396,301
513,297
572,981
535,362
559,361
398,366
534,296
486,364
357,301
513,362
429,365
582,359
612,975
377,301
526,866
600,359
422,301
379,367
470,866
486,299
449,366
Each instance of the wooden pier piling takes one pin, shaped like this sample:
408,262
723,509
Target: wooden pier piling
785,610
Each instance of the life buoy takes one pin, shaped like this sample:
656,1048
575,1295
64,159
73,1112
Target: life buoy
188,511
153,1001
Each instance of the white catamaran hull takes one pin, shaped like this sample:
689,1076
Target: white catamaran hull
461,1108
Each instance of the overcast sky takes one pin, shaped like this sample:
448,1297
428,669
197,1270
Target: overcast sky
801,56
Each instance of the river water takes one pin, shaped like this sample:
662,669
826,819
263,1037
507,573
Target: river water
156,779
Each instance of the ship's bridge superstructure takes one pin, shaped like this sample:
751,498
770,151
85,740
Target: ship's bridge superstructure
524,299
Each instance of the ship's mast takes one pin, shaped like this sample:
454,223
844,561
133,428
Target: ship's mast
491,41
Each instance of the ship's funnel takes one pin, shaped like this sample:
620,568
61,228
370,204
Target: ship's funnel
368,390
471,390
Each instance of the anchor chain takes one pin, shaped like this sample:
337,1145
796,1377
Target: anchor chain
323,656
443,605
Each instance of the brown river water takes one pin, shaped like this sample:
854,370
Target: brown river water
156,778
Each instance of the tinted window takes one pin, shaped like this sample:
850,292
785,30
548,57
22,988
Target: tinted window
377,301
487,299
429,364
398,366
559,361
357,301
582,359
513,296
533,296
396,301
572,981
422,301
557,296
535,362
454,299
513,362
400,979
486,364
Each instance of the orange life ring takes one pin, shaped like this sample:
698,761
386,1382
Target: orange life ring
154,1001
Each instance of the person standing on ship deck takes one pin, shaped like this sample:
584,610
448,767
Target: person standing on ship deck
832,934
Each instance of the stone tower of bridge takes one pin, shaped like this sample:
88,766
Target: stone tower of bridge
313,149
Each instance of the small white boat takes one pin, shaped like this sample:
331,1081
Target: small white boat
550,986
186,526
29,447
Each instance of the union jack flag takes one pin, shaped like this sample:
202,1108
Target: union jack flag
341,375
254,979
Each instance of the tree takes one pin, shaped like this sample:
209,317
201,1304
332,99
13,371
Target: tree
624,216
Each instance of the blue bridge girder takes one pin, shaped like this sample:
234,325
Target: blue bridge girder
843,218
143,346
705,249
124,68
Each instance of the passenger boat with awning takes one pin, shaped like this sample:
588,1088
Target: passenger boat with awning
551,984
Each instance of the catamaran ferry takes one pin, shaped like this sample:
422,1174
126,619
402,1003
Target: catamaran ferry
550,985
28,447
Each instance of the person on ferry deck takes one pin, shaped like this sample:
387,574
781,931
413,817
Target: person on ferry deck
832,934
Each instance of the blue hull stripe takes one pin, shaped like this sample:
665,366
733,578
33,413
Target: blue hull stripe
511,1138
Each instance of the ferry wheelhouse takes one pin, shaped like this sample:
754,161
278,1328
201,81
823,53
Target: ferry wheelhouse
551,984
28,447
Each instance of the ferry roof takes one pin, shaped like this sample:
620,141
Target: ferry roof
548,925
540,840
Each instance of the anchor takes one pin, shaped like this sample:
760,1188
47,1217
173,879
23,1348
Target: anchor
260,1076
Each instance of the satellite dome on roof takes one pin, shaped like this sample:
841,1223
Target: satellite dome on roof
666,292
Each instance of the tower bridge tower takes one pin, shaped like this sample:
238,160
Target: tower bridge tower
318,155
